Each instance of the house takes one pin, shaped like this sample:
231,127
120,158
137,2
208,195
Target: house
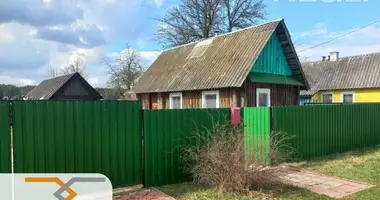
354,79
255,66
67,87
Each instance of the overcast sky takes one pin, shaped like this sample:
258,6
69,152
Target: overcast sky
36,34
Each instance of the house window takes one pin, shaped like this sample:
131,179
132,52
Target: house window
263,97
327,97
347,97
210,99
175,100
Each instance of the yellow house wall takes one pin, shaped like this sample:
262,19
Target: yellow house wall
361,95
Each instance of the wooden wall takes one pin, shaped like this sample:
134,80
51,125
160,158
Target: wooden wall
144,98
280,95
190,99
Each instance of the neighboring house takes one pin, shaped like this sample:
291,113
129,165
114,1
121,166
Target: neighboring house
68,87
353,79
256,66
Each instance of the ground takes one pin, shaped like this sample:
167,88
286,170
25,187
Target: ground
363,166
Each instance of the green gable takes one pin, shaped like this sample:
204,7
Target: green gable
272,59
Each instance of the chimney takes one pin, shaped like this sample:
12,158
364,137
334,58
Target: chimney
323,58
334,56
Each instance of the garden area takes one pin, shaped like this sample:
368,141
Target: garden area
362,166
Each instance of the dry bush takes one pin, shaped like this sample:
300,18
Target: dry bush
217,158
280,150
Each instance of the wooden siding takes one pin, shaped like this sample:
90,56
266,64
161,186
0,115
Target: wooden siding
272,59
144,98
280,95
190,99
76,89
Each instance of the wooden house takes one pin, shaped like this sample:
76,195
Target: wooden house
255,66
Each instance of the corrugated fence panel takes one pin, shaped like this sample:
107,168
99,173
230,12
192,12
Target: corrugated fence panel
322,130
79,137
165,132
257,134
5,137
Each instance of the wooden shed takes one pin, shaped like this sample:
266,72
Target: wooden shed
67,87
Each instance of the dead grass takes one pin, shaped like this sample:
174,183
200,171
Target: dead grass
218,159
363,166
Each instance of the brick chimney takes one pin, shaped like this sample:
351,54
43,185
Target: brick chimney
334,56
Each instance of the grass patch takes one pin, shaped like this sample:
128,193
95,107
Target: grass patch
191,191
363,166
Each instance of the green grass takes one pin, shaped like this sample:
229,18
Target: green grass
363,166
190,191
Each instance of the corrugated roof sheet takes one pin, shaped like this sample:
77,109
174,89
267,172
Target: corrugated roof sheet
362,71
225,63
47,88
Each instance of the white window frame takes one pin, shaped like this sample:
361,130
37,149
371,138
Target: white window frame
205,93
177,94
347,92
262,90
325,93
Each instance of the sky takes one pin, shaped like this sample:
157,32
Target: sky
36,35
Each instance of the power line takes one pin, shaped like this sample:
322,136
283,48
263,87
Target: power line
341,36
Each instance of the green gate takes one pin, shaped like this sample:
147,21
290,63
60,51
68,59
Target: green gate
5,137
257,134
79,137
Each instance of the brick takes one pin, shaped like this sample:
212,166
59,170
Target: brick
153,193
333,183
308,183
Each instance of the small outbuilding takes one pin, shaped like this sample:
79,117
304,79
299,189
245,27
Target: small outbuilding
67,87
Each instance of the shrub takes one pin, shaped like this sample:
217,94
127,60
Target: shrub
217,158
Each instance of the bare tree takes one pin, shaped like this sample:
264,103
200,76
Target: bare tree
75,66
193,20
53,72
241,13
124,71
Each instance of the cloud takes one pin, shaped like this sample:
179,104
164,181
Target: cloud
362,41
80,35
40,13
148,57
18,52
6,35
158,2
38,34
16,81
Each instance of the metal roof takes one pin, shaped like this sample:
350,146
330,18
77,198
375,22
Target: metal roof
47,88
226,62
355,72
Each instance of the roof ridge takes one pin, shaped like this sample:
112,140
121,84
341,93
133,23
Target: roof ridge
224,34
60,76
345,57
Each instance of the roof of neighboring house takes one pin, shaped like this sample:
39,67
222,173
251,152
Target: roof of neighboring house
355,72
225,62
47,88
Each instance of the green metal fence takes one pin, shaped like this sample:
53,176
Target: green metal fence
79,137
5,137
257,134
322,130
165,132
